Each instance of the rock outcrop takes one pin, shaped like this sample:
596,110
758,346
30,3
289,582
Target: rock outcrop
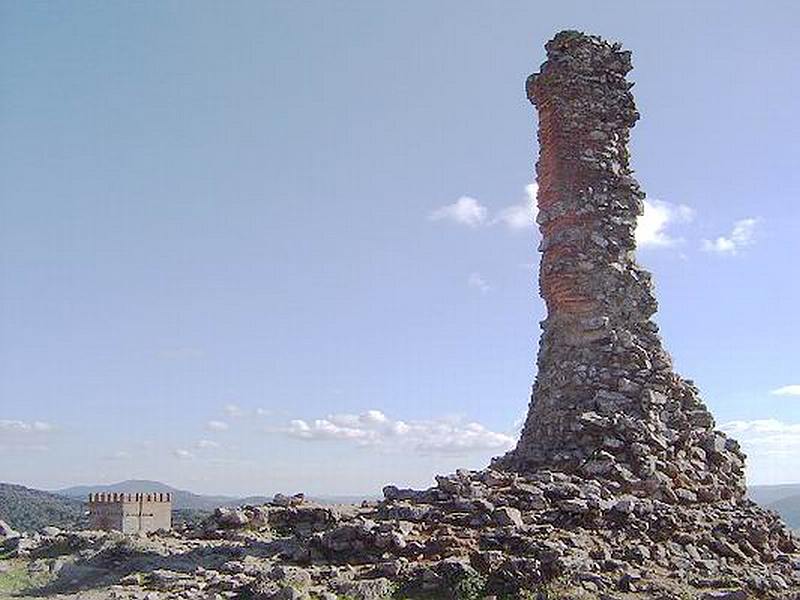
476,534
606,402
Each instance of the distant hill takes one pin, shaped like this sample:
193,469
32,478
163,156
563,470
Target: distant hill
784,499
332,500
251,500
789,509
26,509
29,510
181,499
767,494
344,499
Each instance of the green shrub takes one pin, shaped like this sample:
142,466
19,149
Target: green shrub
471,587
18,579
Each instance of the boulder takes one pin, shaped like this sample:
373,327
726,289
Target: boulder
6,531
233,518
508,516
366,589
725,595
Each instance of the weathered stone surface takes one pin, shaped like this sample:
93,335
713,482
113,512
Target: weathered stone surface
556,527
725,595
606,402
508,516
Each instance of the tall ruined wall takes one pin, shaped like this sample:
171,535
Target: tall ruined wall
606,402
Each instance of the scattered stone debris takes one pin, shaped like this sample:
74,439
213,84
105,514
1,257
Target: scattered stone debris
619,488
497,533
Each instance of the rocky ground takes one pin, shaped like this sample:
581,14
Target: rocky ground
474,535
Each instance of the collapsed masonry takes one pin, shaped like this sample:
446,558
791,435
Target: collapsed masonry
606,401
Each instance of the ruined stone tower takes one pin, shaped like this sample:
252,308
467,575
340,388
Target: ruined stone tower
606,402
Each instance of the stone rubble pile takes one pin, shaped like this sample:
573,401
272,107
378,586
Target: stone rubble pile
476,534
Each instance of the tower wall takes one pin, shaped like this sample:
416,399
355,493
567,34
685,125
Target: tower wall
130,512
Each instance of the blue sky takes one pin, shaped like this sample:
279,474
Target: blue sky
255,247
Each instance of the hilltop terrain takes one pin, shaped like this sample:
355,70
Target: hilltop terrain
475,534
27,509
181,499
784,499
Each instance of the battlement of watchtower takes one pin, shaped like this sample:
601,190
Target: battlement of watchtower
114,497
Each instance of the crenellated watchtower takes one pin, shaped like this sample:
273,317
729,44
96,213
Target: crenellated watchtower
130,512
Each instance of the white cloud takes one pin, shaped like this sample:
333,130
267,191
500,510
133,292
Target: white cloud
24,427
217,426
207,444
326,429
118,455
29,435
470,212
454,439
772,447
787,390
476,280
182,454
233,410
520,216
742,235
651,227
760,427
374,428
519,423
517,216
466,211
531,192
